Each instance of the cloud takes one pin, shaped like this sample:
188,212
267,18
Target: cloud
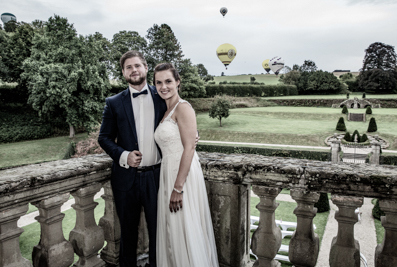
375,2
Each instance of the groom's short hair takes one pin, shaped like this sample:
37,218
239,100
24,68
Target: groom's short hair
130,54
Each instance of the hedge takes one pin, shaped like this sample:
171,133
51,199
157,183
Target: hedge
388,160
243,90
270,152
12,94
322,204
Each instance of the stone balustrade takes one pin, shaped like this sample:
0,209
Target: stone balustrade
229,179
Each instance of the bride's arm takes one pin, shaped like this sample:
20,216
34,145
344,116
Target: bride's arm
184,115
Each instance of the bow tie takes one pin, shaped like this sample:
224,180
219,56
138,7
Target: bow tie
144,92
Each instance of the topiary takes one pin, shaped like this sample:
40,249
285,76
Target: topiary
368,110
347,95
363,95
347,137
322,204
344,110
372,126
354,135
364,138
376,211
340,126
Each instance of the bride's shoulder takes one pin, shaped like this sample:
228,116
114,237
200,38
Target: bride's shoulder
184,107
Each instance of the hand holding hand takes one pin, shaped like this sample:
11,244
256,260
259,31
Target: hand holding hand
176,201
134,158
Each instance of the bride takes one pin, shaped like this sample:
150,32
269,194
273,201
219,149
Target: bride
185,236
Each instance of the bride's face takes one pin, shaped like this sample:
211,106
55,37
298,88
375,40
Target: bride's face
166,85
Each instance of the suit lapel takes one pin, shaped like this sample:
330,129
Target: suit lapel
157,106
129,111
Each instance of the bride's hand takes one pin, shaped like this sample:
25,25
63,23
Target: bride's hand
175,201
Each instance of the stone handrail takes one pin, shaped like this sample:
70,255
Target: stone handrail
229,179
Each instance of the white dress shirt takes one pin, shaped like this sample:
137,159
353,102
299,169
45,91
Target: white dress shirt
143,108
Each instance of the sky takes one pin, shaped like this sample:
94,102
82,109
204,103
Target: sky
332,33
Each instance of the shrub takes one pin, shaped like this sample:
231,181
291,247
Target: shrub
368,110
87,146
372,126
340,126
347,137
376,211
347,95
364,138
356,135
344,110
363,95
220,109
322,204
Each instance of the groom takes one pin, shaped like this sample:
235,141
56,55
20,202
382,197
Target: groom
127,136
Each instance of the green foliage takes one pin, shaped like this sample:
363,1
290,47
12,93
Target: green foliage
70,150
347,137
346,76
249,90
65,76
352,85
372,127
378,81
291,77
356,137
368,110
192,84
322,204
271,152
344,110
318,82
202,71
308,66
388,160
220,109
376,211
122,42
364,95
347,96
364,138
340,126
252,78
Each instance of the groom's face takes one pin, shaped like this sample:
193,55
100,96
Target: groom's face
135,71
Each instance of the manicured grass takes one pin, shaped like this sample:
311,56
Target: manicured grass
285,212
31,235
290,125
338,96
268,79
35,151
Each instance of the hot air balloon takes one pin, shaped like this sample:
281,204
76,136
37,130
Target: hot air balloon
226,53
276,64
6,17
265,65
223,11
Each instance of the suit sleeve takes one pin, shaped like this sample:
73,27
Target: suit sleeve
108,133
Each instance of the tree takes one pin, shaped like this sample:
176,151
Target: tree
356,137
192,85
346,76
308,65
318,82
122,42
368,110
378,74
220,109
11,26
252,79
372,127
340,126
202,71
287,69
162,47
347,137
344,110
291,77
65,76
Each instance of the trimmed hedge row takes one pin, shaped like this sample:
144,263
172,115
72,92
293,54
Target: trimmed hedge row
388,160
306,102
270,152
13,94
249,90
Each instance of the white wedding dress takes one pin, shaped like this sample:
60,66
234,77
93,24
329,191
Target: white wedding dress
185,238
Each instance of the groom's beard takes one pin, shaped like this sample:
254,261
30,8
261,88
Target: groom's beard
136,82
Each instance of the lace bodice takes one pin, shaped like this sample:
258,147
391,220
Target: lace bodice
167,134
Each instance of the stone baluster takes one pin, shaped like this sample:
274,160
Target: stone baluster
375,157
87,237
304,244
10,253
345,250
335,149
53,249
385,255
266,240
111,226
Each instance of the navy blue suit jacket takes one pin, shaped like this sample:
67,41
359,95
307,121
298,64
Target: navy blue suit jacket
118,133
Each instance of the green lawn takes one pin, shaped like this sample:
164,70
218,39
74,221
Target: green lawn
290,125
35,151
338,96
268,79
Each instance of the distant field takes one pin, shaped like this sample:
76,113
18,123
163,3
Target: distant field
260,78
339,96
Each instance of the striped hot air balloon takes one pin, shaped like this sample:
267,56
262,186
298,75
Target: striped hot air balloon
276,64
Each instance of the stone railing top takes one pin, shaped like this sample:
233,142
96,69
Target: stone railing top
32,182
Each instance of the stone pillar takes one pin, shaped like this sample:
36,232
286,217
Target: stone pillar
111,227
345,250
87,237
374,159
335,148
266,240
385,254
10,253
53,249
304,244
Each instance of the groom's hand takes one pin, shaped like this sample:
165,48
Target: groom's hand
134,158
197,139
